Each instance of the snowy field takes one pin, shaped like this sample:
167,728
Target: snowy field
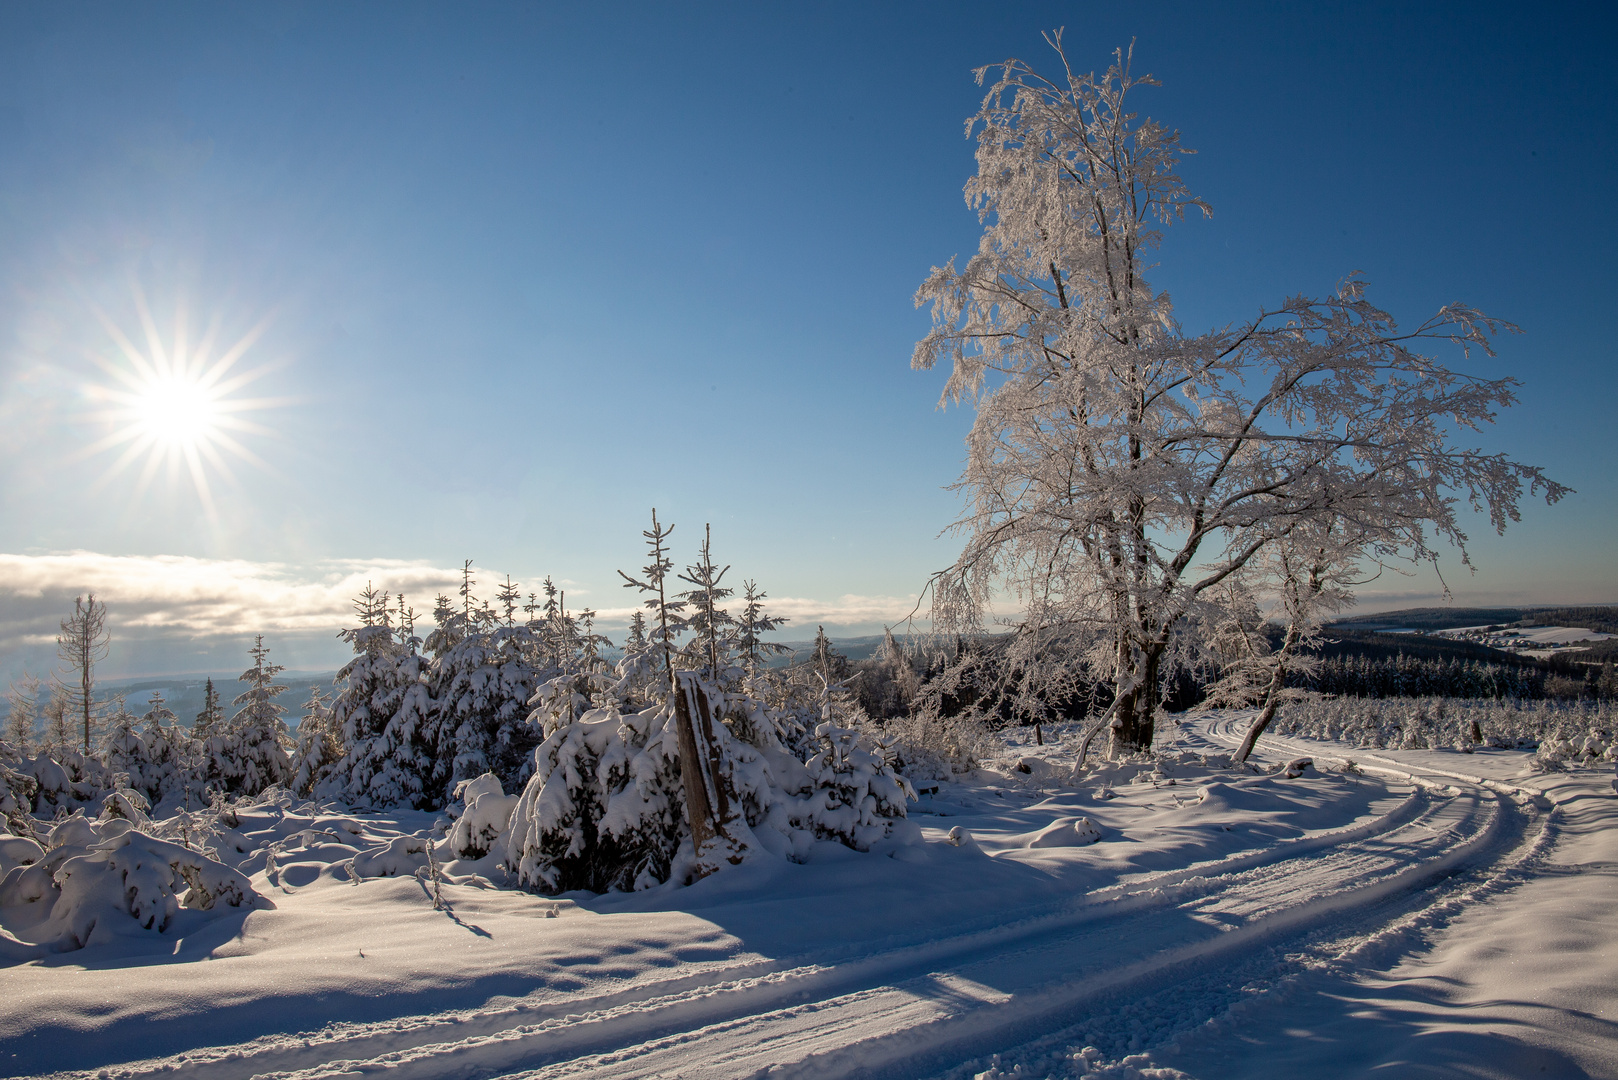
1398,912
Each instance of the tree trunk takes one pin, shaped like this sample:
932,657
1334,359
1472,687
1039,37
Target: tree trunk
1272,700
708,805
1133,728
694,762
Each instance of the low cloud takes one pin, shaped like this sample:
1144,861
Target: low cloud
179,595
166,610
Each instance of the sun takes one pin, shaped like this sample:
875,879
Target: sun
176,407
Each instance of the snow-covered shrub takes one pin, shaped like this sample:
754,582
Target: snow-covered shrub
856,792
103,879
932,747
555,840
17,792
606,807
482,826
68,780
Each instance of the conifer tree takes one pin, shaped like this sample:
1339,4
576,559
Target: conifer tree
212,714
668,620
481,683
22,698
251,755
751,627
82,644
58,722
707,621
318,745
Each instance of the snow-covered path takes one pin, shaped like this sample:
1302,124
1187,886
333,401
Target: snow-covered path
1308,908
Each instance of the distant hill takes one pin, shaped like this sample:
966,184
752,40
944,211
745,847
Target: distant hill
1598,617
183,693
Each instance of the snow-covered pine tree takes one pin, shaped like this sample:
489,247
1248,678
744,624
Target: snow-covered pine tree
751,627
383,714
250,755
668,619
481,683
127,752
858,791
710,624
212,714
319,745
173,756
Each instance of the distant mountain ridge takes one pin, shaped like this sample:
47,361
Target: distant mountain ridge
1587,616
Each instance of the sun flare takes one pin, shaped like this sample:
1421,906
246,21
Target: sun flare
176,406
176,411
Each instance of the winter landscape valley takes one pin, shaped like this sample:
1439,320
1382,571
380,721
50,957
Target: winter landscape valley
483,595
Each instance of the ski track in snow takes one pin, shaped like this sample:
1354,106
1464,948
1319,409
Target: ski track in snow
1173,943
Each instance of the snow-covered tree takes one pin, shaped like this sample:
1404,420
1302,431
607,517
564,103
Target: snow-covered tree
753,623
127,751
708,622
22,702
1312,570
212,714
480,688
668,618
1119,470
319,744
82,644
58,734
250,755
172,756
383,714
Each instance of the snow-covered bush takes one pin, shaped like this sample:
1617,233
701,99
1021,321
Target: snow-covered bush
104,879
932,747
484,823
856,793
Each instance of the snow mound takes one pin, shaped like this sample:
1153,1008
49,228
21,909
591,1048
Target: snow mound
399,857
1065,832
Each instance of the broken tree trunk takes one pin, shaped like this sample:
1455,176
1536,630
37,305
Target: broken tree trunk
707,803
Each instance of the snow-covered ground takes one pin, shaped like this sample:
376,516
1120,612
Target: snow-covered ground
1426,913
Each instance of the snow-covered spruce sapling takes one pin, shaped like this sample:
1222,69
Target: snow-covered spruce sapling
1119,470
212,714
319,744
708,622
251,754
668,620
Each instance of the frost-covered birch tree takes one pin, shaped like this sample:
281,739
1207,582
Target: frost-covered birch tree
1120,469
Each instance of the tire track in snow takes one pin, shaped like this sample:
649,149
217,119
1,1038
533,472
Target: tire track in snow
917,1007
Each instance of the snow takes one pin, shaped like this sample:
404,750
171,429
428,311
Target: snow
1423,911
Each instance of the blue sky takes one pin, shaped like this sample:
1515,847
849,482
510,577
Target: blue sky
533,269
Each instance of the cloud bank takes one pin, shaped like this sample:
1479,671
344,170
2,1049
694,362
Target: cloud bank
173,613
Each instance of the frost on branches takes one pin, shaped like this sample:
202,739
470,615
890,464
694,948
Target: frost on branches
1121,471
